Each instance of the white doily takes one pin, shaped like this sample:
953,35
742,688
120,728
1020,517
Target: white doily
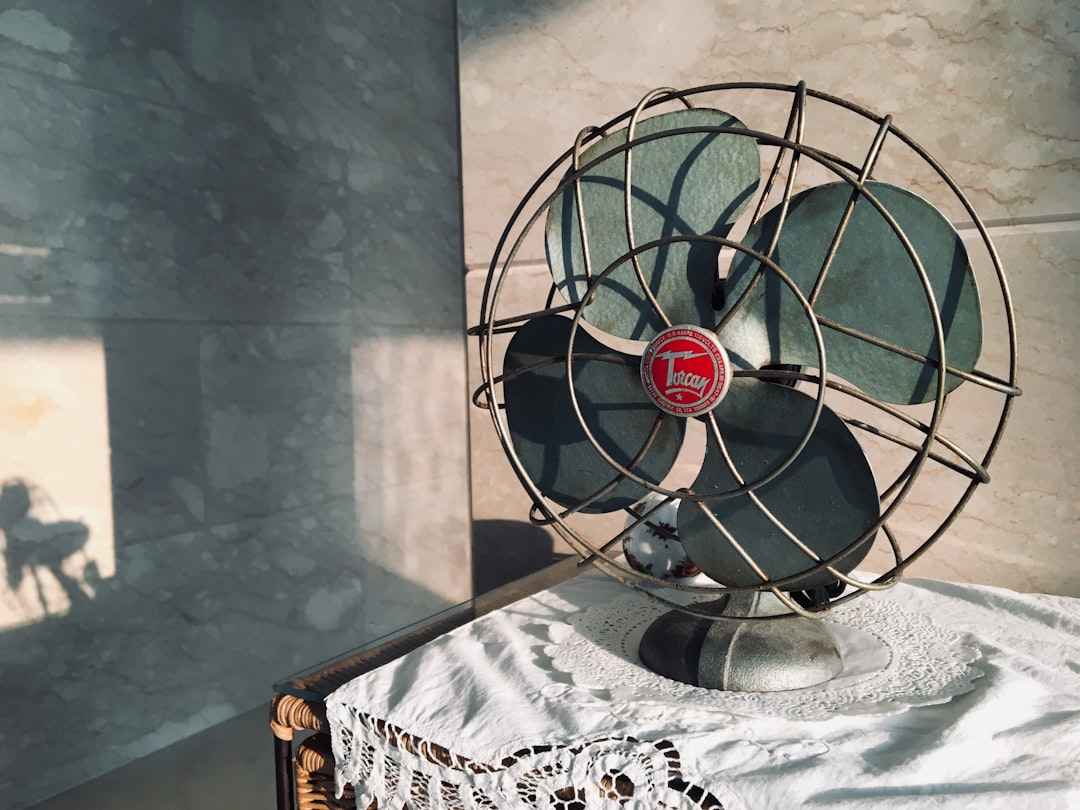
892,660
388,765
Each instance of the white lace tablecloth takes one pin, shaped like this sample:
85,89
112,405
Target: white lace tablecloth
952,696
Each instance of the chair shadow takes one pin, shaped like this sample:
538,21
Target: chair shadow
34,548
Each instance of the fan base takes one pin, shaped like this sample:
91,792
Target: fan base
740,655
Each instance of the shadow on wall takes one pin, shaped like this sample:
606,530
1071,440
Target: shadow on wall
482,20
505,550
36,550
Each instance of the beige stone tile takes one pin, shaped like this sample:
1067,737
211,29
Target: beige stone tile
985,88
1021,530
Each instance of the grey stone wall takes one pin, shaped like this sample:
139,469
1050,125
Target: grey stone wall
232,375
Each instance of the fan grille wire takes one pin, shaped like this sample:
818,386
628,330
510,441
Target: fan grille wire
791,147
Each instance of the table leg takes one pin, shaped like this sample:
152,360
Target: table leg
283,769
289,714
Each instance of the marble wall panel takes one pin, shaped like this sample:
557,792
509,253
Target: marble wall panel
201,225
325,74
277,418
156,429
1023,529
407,232
985,87
1020,530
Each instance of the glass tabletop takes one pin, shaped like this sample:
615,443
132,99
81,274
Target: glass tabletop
315,682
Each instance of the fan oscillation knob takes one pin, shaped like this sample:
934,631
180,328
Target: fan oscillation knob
685,370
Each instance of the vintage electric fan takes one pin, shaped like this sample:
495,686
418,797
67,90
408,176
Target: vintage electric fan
705,305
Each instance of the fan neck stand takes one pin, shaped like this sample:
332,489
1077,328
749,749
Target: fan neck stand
737,654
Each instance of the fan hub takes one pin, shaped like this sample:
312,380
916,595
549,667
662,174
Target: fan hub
685,370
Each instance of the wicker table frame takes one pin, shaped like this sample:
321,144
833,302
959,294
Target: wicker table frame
305,777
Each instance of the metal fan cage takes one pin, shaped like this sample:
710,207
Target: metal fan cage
934,446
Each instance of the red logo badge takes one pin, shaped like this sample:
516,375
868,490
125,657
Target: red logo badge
686,370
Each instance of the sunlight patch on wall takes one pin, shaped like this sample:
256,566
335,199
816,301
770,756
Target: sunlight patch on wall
34,251
56,522
412,486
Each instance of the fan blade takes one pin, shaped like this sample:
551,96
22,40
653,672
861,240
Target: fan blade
547,436
695,183
872,286
826,497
